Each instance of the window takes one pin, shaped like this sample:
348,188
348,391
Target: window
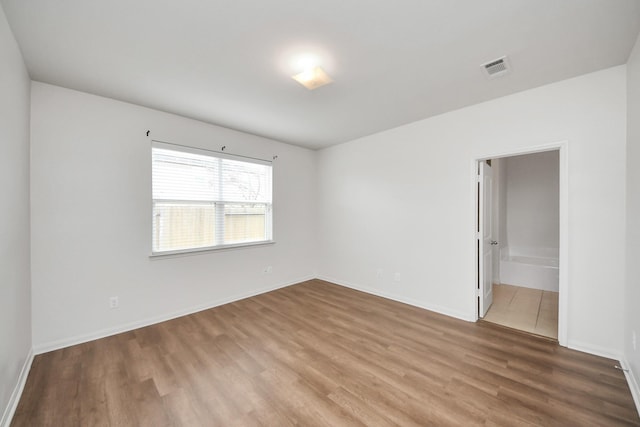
205,200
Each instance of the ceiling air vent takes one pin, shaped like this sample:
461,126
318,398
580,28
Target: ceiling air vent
497,68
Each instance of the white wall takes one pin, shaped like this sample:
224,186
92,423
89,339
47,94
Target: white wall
91,219
532,199
403,201
15,292
632,290
499,213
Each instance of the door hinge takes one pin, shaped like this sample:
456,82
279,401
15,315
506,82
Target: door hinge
478,178
477,292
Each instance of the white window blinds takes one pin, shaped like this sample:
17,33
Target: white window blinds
204,200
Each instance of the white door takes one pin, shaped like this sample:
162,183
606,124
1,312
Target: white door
485,239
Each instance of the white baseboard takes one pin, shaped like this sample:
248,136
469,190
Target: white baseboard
79,339
431,307
12,405
633,383
593,349
604,352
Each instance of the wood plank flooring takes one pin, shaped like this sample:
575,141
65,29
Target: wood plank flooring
526,309
317,354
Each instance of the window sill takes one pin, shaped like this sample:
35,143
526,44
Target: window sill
199,251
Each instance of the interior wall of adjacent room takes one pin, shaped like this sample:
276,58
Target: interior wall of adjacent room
498,213
632,290
91,219
403,201
15,288
503,241
532,198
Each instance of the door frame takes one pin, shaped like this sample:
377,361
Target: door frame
563,285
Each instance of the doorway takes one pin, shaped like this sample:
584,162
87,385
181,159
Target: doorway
520,240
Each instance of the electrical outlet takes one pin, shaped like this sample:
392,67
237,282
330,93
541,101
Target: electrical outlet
396,277
113,302
634,342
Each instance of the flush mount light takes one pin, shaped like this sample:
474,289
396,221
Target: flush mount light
313,78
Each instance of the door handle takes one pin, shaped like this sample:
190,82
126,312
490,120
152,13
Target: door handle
493,243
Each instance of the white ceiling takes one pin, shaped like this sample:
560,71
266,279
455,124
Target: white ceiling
393,62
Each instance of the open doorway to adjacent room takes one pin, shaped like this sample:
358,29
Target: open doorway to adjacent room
518,241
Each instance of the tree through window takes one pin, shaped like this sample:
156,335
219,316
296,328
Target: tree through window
204,200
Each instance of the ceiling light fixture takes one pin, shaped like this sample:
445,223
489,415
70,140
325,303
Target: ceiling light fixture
313,78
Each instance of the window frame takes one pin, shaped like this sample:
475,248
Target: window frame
270,233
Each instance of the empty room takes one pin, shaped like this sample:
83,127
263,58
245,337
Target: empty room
344,213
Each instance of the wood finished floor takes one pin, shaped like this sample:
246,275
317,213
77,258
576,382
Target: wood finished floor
317,354
529,310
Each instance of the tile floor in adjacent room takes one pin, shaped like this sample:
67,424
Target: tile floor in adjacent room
529,310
